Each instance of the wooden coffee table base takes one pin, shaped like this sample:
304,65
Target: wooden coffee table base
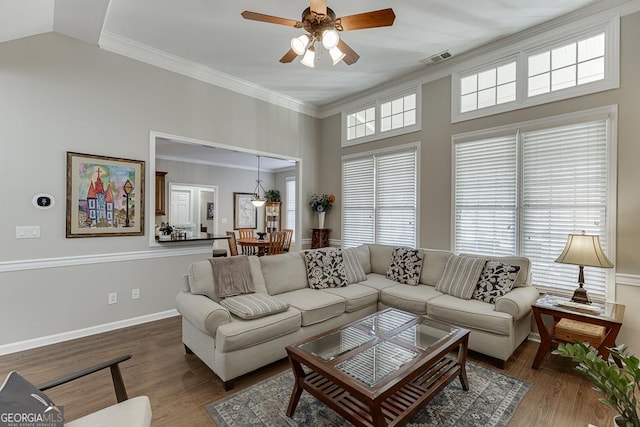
392,408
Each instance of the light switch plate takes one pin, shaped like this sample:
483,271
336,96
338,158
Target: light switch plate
27,232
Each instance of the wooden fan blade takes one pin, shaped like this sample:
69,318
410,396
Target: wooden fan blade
350,55
289,56
318,6
270,19
376,18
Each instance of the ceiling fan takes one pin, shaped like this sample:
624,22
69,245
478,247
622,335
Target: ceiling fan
321,24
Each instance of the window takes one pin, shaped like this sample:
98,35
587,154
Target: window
380,198
581,58
383,117
361,123
524,191
398,113
290,204
567,66
487,88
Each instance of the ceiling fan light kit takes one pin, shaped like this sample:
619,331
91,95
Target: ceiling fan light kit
322,26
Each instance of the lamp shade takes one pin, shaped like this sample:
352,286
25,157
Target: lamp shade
309,58
583,249
330,39
299,44
336,55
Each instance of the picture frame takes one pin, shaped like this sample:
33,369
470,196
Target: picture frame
245,215
210,210
105,196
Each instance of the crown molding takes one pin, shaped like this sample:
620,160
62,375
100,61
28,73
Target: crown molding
144,53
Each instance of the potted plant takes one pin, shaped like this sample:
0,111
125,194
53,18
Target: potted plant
272,195
619,385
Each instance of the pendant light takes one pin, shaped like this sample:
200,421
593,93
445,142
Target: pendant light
256,200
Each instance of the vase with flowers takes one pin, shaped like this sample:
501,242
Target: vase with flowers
320,204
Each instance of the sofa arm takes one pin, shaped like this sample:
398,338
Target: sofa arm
204,313
518,301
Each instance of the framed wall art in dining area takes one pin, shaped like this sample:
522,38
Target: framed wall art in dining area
105,196
245,214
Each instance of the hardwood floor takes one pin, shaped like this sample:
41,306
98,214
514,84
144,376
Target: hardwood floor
179,385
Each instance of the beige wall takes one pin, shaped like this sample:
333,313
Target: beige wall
60,94
435,162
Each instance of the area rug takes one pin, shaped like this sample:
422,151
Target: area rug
491,401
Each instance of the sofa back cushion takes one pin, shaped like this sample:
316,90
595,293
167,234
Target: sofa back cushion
380,258
284,272
433,265
200,278
524,275
364,256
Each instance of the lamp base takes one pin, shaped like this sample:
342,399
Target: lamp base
580,296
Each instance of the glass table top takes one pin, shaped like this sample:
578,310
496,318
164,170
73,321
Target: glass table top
425,334
337,343
376,363
386,321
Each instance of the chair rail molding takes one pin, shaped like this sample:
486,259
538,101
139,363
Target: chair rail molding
628,279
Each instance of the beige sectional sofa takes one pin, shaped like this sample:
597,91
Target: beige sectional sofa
232,346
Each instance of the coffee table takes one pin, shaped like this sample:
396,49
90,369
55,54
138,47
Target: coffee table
379,370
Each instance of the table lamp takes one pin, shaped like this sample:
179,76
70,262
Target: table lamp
581,250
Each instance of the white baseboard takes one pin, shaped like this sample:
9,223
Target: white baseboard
80,333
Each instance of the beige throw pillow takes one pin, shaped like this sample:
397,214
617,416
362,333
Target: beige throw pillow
460,276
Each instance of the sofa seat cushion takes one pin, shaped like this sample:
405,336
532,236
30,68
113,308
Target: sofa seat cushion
355,296
239,333
314,305
378,282
409,298
471,314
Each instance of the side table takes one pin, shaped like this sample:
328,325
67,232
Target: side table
320,237
610,317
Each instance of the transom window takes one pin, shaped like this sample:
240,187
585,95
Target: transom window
387,116
567,66
584,58
361,123
487,88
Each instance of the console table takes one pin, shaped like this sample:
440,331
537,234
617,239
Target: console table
610,316
320,237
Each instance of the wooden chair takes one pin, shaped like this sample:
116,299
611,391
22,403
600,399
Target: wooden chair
276,242
246,233
233,244
287,240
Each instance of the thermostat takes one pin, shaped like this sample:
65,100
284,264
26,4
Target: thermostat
43,201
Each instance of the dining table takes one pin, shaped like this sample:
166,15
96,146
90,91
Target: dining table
260,244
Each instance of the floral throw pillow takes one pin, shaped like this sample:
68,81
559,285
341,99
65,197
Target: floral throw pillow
325,268
495,281
406,265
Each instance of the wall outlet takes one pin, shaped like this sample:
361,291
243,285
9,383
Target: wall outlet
135,293
224,220
113,298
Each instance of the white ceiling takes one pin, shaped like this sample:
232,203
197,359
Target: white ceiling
214,35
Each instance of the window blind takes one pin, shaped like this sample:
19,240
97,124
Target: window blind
564,191
358,202
396,199
380,199
290,205
485,196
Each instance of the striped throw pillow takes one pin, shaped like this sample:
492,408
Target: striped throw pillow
352,267
460,276
253,306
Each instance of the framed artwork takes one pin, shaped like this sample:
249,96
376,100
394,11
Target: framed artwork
210,210
105,196
245,215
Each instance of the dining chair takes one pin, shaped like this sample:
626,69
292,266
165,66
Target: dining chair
246,234
233,244
287,240
276,242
